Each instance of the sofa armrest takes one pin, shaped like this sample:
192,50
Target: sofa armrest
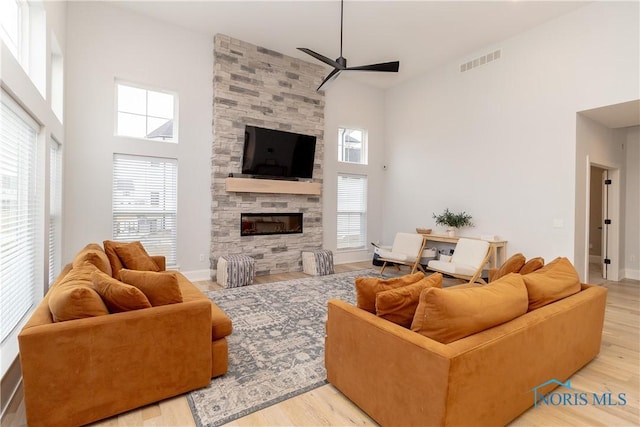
376,363
79,371
161,261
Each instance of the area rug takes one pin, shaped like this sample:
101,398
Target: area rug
276,350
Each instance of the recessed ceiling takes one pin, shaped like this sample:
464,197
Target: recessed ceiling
422,35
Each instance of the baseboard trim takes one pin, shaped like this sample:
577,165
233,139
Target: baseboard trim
198,275
9,384
628,273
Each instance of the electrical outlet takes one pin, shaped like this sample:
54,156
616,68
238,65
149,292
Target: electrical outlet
201,257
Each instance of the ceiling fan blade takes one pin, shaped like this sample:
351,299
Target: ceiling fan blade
332,75
322,58
392,67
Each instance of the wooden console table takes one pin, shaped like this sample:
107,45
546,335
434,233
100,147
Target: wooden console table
497,248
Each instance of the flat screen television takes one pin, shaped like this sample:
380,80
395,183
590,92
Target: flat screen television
278,154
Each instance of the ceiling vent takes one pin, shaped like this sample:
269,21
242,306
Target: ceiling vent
482,60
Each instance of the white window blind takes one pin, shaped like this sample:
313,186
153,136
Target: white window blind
352,211
145,203
55,209
18,214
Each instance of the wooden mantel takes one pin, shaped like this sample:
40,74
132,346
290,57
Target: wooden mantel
274,186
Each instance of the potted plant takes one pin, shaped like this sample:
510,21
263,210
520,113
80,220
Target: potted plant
453,220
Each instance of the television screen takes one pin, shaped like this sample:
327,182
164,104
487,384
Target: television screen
275,153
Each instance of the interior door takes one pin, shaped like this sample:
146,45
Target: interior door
605,223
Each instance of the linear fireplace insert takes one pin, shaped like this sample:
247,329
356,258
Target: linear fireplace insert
255,224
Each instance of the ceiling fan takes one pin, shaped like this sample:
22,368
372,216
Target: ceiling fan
340,64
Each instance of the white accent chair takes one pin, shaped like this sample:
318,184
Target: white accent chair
406,250
469,259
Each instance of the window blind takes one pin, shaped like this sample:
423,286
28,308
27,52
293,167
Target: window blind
55,209
18,214
352,211
145,203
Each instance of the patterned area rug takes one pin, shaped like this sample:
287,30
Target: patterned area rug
276,350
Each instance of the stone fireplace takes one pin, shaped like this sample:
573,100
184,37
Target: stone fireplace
257,86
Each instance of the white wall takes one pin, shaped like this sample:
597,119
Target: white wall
631,235
352,104
104,43
499,141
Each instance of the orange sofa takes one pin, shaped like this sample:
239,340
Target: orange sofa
79,371
400,377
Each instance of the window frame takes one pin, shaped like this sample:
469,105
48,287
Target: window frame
364,157
147,88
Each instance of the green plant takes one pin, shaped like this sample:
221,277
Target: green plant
455,220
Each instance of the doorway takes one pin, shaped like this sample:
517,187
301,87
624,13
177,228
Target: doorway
604,219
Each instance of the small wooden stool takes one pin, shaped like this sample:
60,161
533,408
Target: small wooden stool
318,262
235,270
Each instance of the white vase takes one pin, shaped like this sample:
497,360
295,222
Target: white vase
451,232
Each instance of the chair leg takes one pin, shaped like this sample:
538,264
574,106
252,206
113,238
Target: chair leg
383,267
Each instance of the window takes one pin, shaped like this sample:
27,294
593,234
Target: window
57,78
55,209
145,203
147,114
352,146
11,24
352,211
18,215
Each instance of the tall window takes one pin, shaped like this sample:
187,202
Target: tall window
147,114
55,209
352,211
18,214
145,203
352,146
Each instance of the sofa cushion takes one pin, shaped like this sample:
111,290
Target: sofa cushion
511,265
134,257
118,296
368,287
534,264
554,281
161,288
399,305
93,254
447,315
74,298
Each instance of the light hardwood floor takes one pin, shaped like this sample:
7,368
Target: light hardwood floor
615,370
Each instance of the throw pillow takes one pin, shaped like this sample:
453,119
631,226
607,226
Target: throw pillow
512,265
160,288
368,287
399,305
73,298
134,257
114,260
118,296
93,254
532,265
554,281
447,315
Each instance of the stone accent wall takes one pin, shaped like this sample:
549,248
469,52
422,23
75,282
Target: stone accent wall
257,86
